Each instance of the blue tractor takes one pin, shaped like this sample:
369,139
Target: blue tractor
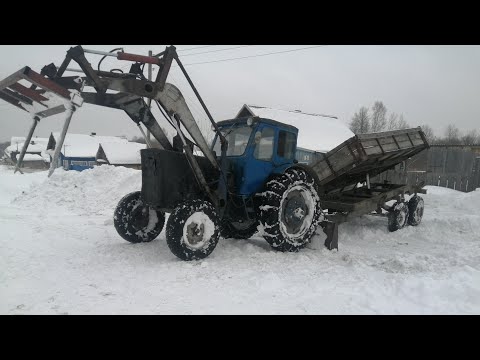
259,182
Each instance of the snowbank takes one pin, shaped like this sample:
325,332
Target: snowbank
88,192
12,185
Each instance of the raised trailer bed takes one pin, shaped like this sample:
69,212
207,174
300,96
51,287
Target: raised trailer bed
364,156
345,172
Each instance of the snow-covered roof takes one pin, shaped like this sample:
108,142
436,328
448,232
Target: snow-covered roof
36,144
32,148
31,157
315,131
82,145
123,153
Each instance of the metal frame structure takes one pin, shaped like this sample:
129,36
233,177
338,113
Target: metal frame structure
43,98
131,90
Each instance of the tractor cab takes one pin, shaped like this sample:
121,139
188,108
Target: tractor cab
257,148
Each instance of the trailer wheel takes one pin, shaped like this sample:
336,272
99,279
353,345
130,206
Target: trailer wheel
290,210
193,230
415,210
135,221
230,230
398,217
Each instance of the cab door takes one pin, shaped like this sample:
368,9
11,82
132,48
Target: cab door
259,164
284,154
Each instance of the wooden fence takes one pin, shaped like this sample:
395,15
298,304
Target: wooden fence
454,167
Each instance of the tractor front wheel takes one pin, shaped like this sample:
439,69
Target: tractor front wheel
135,221
193,230
290,210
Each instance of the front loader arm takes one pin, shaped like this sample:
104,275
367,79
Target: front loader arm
168,96
136,109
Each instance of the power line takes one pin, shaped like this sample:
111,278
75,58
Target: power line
212,51
198,47
252,56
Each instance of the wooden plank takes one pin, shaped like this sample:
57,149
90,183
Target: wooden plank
404,144
32,94
369,143
386,140
388,133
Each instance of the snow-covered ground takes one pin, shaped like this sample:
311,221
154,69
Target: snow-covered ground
60,254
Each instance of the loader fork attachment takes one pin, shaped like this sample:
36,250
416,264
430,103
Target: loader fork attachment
41,97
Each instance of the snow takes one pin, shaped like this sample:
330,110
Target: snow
81,145
16,144
60,254
202,222
315,132
123,153
30,157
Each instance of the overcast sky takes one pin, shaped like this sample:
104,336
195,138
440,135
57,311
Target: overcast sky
434,85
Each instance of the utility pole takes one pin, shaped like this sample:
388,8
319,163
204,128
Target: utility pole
149,101
149,104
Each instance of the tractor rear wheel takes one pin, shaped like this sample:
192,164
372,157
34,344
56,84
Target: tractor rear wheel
290,210
230,230
398,217
415,210
193,230
135,221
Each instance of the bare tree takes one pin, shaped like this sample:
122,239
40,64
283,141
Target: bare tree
402,124
428,133
392,122
471,138
379,117
452,135
360,123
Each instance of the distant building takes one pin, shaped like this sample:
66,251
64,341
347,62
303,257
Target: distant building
305,156
34,161
35,157
79,150
120,154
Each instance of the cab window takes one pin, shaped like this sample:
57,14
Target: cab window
237,141
286,144
264,144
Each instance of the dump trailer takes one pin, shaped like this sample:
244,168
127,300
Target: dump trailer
245,181
345,172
